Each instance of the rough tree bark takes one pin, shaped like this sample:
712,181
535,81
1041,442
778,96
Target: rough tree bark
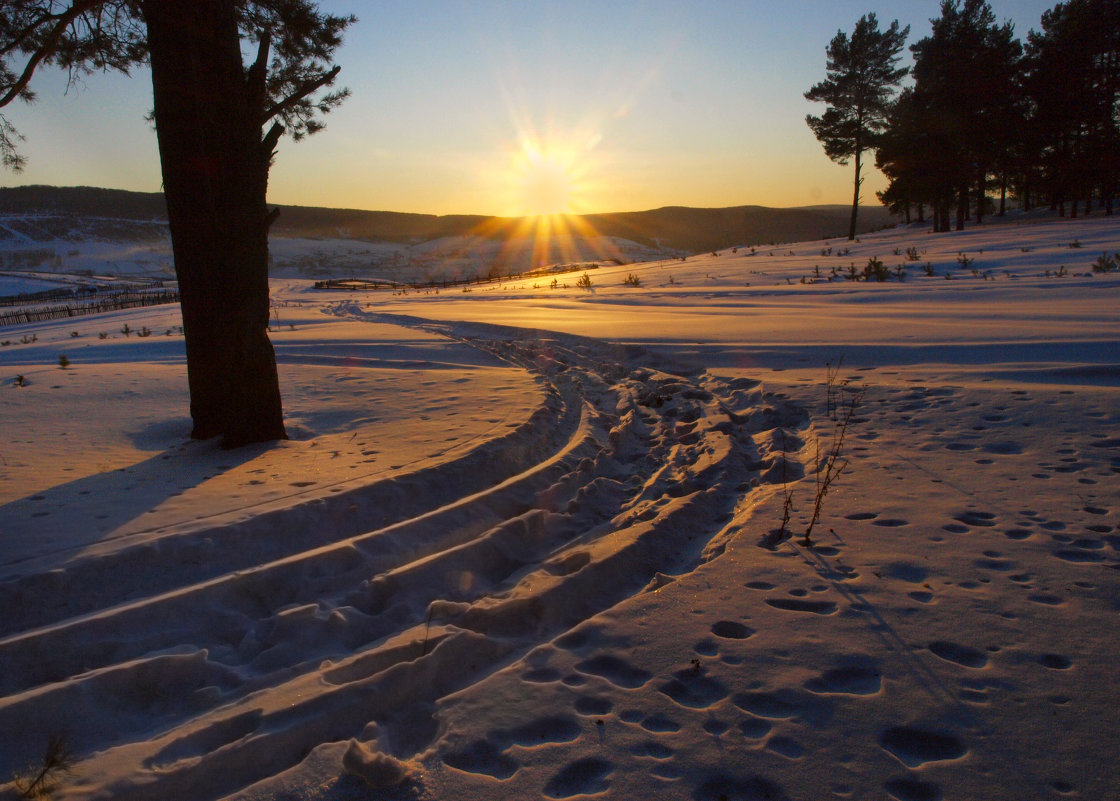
209,111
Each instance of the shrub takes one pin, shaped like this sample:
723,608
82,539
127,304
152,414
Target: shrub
632,280
964,261
125,329
1106,263
584,281
912,254
63,362
875,270
1075,244
42,780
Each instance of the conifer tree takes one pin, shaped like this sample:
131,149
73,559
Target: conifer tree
861,74
218,121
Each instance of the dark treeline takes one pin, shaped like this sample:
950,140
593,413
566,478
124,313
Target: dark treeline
988,118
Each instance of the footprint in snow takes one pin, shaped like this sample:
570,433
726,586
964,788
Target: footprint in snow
583,777
785,746
482,757
958,654
615,670
1055,661
731,630
652,749
799,605
976,519
722,787
913,790
858,679
659,724
914,747
690,689
539,732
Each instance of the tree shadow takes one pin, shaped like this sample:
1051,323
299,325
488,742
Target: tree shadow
49,528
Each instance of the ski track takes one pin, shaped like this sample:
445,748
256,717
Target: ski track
300,626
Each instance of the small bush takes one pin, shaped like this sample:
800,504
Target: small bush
964,261
912,254
103,335
126,330
63,362
929,269
1075,244
632,280
42,780
74,334
1106,263
584,281
21,381
875,270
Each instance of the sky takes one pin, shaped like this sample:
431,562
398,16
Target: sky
517,108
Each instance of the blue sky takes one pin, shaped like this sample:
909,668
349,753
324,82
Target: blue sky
523,107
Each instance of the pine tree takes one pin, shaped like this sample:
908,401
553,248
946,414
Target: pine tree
1073,82
211,114
965,78
861,76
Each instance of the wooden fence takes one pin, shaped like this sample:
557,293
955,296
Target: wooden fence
117,302
362,284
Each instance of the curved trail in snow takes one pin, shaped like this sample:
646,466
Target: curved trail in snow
225,657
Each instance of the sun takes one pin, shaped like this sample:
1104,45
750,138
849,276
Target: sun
545,181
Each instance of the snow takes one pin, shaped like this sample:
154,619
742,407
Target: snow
513,546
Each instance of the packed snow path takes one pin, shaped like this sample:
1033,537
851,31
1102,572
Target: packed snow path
291,629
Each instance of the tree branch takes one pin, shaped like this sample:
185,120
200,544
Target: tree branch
258,71
47,48
300,94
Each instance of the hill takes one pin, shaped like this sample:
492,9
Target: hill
693,230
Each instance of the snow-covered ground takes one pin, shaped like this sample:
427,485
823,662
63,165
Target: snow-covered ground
513,548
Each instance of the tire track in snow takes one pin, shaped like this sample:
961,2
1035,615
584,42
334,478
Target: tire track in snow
630,474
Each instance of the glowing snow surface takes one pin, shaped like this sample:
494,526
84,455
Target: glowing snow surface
512,548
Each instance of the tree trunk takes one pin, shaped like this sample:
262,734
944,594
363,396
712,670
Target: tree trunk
855,195
962,206
208,116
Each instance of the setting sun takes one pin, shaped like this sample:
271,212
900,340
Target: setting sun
544,185
550,176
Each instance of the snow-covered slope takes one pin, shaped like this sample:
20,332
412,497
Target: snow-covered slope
514,548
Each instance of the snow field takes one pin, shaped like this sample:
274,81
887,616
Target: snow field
571,598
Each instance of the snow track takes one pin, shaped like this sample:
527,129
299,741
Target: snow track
227,655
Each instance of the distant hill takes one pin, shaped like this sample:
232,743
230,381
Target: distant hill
679,228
